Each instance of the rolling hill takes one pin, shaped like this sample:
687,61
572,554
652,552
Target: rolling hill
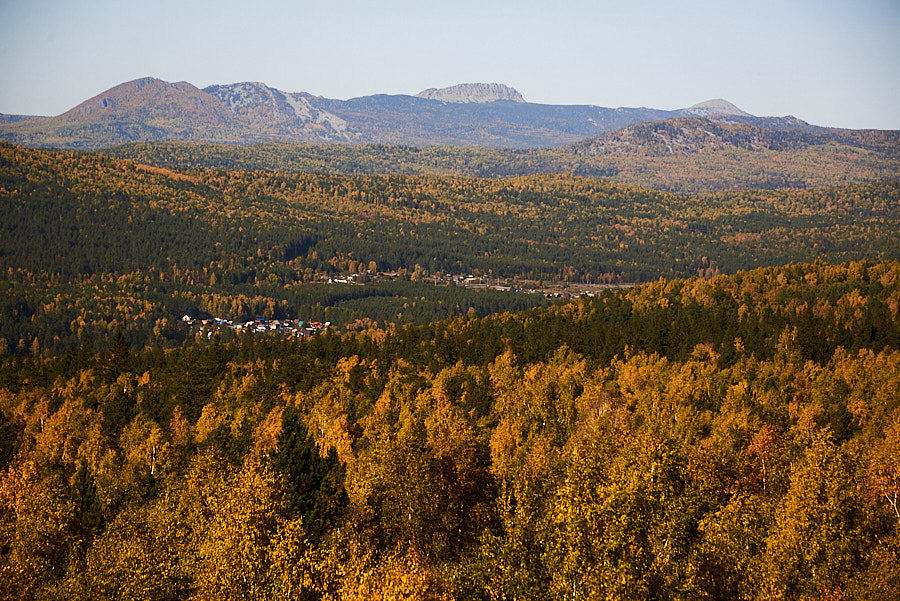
683,154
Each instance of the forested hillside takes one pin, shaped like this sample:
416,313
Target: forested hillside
726,438
686,155
91,244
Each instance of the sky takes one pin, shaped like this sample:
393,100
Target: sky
829,62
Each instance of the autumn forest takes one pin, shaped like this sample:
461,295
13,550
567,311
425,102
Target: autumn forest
715,416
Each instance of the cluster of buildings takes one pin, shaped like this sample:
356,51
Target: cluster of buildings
285,327
550,289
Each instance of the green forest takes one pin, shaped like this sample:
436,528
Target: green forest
718,419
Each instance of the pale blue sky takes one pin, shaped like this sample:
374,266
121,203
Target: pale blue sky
829,62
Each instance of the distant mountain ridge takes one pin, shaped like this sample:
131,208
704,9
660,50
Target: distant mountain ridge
694,135
4,118
488,115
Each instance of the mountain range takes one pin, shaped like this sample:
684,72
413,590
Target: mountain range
488,115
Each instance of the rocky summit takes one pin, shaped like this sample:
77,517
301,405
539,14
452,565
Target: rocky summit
472,92
712,108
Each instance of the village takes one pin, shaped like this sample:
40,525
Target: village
298,328
285,327
550,289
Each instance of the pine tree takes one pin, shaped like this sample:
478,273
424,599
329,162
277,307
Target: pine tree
120,356
88,514
314,484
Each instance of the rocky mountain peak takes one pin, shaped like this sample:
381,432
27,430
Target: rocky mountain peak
715,107
472,92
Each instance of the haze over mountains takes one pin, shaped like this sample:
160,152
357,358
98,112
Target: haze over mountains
490,115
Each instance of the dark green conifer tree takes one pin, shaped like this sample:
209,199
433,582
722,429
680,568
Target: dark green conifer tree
314,485
119,357
88,514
